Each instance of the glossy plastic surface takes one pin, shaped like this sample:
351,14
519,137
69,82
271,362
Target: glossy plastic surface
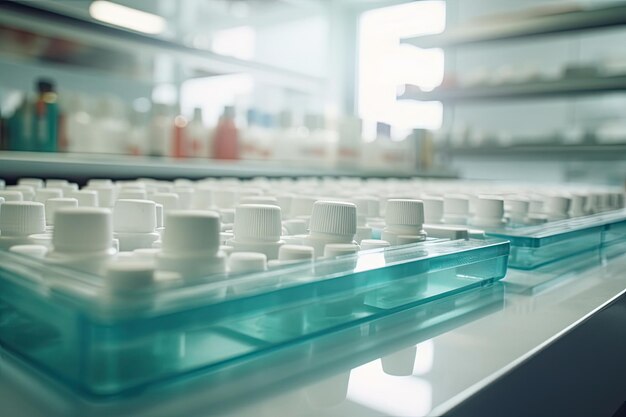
63,322
539,245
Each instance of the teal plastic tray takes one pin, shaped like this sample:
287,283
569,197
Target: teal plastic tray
61,322
534,246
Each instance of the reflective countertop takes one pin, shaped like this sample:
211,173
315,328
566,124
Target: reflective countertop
407,372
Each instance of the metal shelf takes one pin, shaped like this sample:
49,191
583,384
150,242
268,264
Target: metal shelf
524,27
80,167
26,16
526,90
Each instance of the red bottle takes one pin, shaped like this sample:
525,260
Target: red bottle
226,139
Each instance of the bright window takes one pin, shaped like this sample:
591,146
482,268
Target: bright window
238,42
384,64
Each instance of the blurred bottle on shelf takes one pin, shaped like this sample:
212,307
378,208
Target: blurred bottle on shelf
350,142
161,130
76,123
250,136
110,128
138,136
199,136
20,124
180,146
226,138
46,117
289,140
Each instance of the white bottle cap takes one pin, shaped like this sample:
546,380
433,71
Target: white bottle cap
82,230
106,194
35,251
36,183
55,183
191,231
332,250
159,215
288,253
362,210
302,205
295,226
129,275
43,194
517,206
333,218
132,194
27,191
85,198
557,207
577,206
134,216
11,195
489,212
100,182
169,201
257,223
284,202
373,205
225,198
404,212
202,199
68,188
455,209
433,210
54,204
374,244
240,262
185,197
22,218
536,206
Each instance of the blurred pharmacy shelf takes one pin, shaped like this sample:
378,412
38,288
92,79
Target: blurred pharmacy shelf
82,166
584,152
524,25
28,15
525,90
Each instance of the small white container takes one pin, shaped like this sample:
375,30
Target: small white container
134,224
55,204
82,238
403,217
18,220
190,245
257,228
331,222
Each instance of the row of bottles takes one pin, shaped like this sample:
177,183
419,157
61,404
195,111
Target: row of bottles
68,123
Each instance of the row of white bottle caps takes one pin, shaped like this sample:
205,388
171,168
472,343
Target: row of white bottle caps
194,229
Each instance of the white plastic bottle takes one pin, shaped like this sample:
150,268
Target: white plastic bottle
455,209
82,239
190,245
257,228
134,224
331,222
489,213
54,204
403,217
18,220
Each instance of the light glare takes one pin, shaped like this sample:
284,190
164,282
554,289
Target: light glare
127,17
